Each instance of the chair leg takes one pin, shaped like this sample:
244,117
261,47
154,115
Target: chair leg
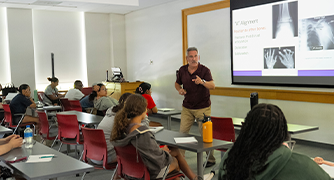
54,141
18,124
76,151
113,174
60,146
81,155
207,157
83,176
42,141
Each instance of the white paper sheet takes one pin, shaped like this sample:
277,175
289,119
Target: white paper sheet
40,158
182,140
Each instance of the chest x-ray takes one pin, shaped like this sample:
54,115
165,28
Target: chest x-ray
285,23
316,33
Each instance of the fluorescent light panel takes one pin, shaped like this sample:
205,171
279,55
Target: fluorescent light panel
111,2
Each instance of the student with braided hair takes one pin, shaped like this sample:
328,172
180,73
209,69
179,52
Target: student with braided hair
260,154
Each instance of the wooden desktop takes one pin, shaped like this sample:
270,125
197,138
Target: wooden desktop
120,88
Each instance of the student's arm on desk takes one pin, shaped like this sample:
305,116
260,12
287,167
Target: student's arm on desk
9,143
153,110
321,161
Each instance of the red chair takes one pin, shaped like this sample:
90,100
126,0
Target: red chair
8,118
65,104
75,105
223,129
87,90
68,131
128,164
95,147
46,132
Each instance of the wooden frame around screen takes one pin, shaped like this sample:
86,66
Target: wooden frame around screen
288,95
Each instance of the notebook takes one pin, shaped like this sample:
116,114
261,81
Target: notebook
156,129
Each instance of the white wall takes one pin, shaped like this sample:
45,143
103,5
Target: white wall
21,49
117,39
98,46
156,34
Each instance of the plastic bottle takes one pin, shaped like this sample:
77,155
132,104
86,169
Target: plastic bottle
207,129
28,137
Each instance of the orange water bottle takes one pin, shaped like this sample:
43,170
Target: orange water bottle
207,129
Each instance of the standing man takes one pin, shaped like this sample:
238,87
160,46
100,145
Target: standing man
197,81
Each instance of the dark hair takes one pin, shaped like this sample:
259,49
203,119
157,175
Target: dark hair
121,102
77,82
53,79
264,130
135,105
143,87
192,49
23,87
9,89
93,95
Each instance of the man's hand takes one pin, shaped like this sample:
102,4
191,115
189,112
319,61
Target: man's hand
182,92
198,80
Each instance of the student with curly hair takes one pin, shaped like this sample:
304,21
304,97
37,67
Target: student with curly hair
260,154
129,130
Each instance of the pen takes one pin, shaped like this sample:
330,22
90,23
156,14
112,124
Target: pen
46,157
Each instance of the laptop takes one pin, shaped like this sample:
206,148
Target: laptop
156,129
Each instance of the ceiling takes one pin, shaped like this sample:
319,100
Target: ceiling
99,6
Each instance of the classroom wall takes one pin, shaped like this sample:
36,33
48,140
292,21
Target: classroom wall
83,44
156,34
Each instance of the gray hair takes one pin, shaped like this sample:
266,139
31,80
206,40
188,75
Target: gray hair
192,49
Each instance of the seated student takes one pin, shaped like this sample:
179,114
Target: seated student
101,100
75,94
9,143
129,130
107,124
145,90
24,104
259,152
8,93
85,103
51,95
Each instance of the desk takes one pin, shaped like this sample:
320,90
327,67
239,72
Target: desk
4,130
49,108
169,116
167,137
292,128
61,165
84,118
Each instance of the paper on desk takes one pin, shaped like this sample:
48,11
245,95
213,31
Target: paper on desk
181,140
38,158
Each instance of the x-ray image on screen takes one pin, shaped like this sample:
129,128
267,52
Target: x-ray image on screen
316,33
279,58
285,20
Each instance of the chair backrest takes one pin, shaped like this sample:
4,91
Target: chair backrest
87,90
223,129
68,127
75,105
43,119
130,163
7,115
65,104
40,95
95,146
